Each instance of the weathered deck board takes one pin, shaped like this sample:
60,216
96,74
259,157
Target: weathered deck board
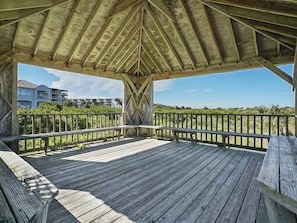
152,181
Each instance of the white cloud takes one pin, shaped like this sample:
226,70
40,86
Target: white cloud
85,86
191,90
207,90
163,85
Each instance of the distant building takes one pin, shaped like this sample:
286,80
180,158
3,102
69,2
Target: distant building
108,102
31,95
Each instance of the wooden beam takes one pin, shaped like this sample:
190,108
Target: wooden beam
124,44
152,58
95,41
84,30
16,34
196,34
145,64
124,5
132,62
295,86
140,39
30,12
41,31
259,6
286,77
9,15
12,5
162,8
157,47
213,36
255,43
122,27
233,39
224,11
165,37
126,56
292,33
279,20
66,28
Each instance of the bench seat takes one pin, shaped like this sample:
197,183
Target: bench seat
26,192
278,178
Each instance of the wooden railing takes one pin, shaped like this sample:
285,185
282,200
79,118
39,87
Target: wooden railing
253,124
45,123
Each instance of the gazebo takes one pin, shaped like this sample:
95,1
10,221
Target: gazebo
139,41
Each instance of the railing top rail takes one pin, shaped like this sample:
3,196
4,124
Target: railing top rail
40,114
271,115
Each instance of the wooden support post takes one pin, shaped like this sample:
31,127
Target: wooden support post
8,100
138,102
295,87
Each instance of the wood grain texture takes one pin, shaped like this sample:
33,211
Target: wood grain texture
148,180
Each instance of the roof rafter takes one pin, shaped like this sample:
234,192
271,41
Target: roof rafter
213,34
132,62
233,39
65,29
124,5
144,62
260,6
295,69
286,77
196,34
83,31
148,53
162,8
157,47
165,37
224,11
9,15
11,5
31,12
255,42
264,17
41,31
126,56
276,29
140,37
125,23
17,30
126,41
95,41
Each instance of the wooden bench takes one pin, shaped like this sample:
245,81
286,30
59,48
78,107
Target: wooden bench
25,194
224,134
46,136
278,179
155,129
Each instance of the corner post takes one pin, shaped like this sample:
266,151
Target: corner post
295,87
8,97
138,102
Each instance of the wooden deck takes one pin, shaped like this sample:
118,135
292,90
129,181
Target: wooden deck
148,180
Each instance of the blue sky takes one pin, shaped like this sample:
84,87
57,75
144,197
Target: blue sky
246,88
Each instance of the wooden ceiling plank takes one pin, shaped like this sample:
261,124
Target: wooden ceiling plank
12,5
124,5
286,77
224,11
196,34
124,44
264,17
165,37
151,57
16,34
260,6
126,56
66,28
162,8
31,12
213,34
84,30
131,63
41,31
233,39
123,26
157,47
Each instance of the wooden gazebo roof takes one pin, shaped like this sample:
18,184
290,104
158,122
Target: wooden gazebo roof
167,38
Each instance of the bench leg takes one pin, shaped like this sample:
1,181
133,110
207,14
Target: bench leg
41,217
46,144
176,136
224,141
192,138
271,208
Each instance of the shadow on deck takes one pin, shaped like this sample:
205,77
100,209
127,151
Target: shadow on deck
148,180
